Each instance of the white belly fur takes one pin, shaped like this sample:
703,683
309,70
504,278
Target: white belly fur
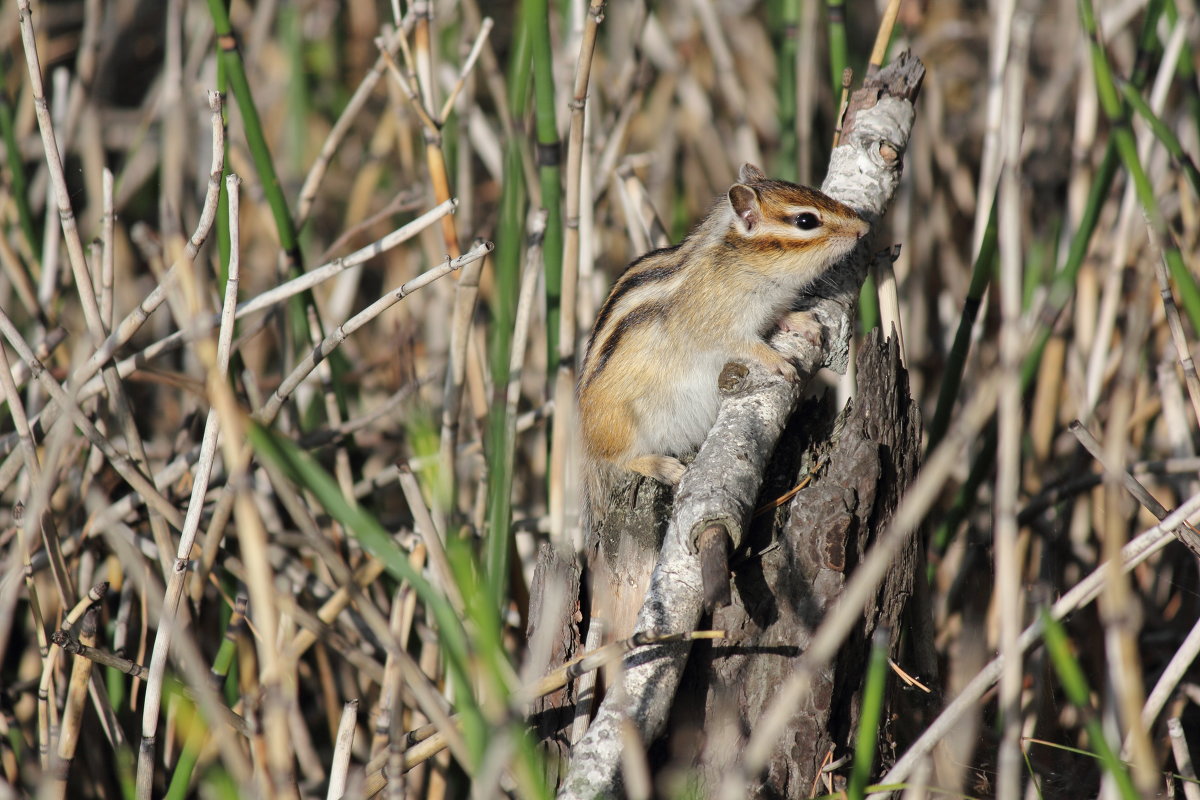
676,415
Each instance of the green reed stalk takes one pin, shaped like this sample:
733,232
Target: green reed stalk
867,739
1075,685
20,185
786,15
549,160
510,233
190,754
1122,135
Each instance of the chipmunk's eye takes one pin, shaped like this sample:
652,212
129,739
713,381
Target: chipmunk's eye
807,221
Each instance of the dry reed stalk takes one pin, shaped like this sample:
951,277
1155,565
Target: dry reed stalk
1183,758
1084,592
322,349
732,88
72,720
119,462
341,751
1120,630
990,160
263,301
564,379
27,527
217,357
1008,597
316,173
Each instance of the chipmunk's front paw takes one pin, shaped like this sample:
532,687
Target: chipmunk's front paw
804,323
776,362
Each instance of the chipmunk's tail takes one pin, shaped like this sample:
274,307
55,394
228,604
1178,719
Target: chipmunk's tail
599,477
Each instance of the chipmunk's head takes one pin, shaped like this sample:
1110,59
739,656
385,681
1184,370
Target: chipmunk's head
803,226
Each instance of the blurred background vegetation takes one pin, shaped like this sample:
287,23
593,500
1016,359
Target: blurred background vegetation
431,493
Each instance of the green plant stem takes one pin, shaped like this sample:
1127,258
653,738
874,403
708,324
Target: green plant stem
1122,135
787,23
190,754
1163,133
956,362
230,58
19,191
1057,298
235,71
549,158
1075,685
867,739
510,234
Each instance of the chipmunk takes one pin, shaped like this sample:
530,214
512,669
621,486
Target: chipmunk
648,386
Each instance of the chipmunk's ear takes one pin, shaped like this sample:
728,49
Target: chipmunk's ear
744,202
750,174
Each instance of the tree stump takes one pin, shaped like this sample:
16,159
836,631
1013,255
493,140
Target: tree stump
785,581
794,568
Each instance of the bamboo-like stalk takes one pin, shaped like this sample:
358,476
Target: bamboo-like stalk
390,723
433,538
219,367
79,268
835,12
230,59
340,767
883,37
27,530
1183,758
72,715
989,169
107,252
1010,422
564,382
47,710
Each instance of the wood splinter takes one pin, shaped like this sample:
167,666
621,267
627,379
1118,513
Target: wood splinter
714,566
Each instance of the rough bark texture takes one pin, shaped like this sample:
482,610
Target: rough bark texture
553,714
794,567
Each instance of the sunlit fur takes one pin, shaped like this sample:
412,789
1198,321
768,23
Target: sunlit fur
648,387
